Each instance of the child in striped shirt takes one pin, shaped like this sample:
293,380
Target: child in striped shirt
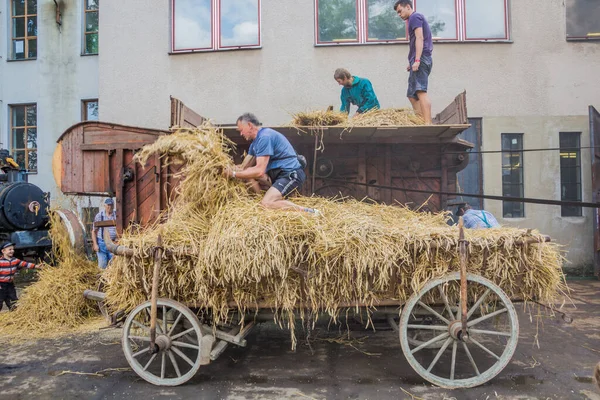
9,266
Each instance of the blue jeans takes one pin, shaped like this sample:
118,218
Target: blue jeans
104,256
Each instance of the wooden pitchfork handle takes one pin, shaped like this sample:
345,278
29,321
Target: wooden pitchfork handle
462,246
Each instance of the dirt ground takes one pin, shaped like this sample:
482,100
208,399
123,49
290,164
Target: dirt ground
372,368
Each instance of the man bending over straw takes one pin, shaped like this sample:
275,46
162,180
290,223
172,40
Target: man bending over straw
275,159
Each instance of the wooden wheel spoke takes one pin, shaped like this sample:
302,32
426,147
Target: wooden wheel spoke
431,310
164,319
428,327
182,333
471,358
174,362
482,347
479,302
445,300
174,324
140,325
180,354
139,353
435,339
485,332
163,365
186,345
453,364
485,317
150,361
142,338
158,329
439,354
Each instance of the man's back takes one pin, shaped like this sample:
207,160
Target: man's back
271,143
479,219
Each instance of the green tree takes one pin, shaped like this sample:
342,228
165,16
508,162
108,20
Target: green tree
435,25
337,20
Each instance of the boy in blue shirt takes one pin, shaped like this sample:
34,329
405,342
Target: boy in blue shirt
357,91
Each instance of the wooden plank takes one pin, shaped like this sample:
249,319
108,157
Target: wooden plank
362,171
157,181
121,221
388,174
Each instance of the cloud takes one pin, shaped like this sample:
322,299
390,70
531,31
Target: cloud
245,33
192,24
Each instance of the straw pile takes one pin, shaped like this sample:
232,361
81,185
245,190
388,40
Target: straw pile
319,118
55,303
227,253
375,117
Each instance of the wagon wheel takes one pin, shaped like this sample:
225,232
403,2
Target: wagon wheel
177,358
493,331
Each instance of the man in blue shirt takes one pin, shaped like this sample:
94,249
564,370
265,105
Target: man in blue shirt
476,219
109,213
275,158
419,58
357,91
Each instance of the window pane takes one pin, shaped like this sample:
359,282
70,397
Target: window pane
18,139
19,157
32,138
18,7
18,49
31,6
18,116
18,27
384,23
485,19
91,4
32,161
31,115
239,22
32,49
192,24
337,21
91,22
441,15
91,43
583,19
91,111
32,26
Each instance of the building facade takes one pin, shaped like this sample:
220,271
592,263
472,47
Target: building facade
529,69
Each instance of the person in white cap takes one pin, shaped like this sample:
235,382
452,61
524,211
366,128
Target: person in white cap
109,213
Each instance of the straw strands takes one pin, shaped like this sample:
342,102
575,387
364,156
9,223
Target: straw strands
375,117
55,303
225,253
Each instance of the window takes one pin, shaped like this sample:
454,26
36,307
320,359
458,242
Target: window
89,110
23,137
23,29
583,19
570,172
207,25
375,21
90,26
512,174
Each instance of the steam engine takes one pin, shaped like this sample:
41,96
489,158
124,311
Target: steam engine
23,210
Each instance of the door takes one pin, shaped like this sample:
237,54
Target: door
595,145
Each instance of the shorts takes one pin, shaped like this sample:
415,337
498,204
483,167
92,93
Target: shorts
417,81
286,182
8,295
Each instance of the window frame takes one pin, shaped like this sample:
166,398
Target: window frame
215,31
577,151
84,103
26,150
84,29
522,184
26,38
362,21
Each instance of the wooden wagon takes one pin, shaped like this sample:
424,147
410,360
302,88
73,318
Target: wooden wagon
449,337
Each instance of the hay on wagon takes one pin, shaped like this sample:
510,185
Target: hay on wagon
227,253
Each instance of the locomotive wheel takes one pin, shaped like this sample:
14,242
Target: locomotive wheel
461,361
176,358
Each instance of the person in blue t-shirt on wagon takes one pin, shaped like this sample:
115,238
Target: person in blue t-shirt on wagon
275,158
419,57
476,219
355,90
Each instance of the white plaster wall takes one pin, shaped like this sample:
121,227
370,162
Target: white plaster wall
542,179
57,80
540,73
